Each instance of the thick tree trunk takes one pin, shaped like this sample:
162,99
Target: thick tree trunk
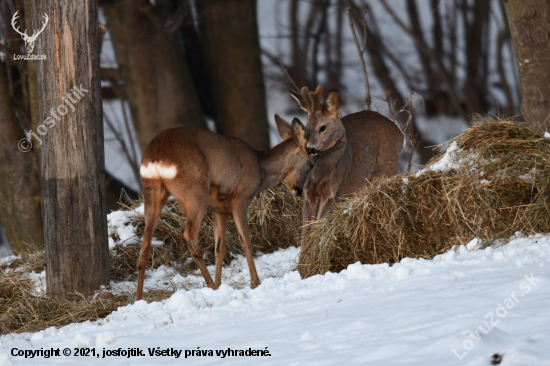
158,83
230,33
530,27
73,161
20,211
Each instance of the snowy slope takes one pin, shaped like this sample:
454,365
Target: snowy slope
413,313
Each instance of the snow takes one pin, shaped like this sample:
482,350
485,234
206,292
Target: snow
458,309
119,225
454,158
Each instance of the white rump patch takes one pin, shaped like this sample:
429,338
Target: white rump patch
157,171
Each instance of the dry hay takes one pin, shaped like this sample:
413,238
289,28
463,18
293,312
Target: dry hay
499,184
275,220
23,309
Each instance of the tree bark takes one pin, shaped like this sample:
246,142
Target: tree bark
158,83
530,27
20,211
32,81
73,158
230,33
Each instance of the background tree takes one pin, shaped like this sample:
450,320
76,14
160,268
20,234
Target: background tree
530,26
20,211
72,164
157,81
229,31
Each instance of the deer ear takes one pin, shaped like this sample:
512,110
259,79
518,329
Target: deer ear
333,102
299,98
285,129
300,136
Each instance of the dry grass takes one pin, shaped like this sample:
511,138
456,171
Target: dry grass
501,189
275,220
22,309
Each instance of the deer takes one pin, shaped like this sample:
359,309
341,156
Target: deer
29,41
208,172
360,147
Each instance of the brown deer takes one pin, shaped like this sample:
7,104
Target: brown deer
205,171
359,147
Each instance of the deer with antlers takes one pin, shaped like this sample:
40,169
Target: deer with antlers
29,41
357,148
205,171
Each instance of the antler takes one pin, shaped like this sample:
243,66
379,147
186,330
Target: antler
15,16
34,34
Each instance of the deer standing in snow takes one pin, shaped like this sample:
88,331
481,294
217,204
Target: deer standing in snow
205,171
359,147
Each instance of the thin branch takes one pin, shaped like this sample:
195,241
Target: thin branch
287,74
368,99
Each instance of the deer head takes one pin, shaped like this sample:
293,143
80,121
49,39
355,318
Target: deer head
29,41
300,162
324,129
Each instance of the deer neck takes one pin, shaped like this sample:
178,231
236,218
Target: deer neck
275,164
338,152
337,160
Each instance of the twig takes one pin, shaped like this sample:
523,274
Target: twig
408,108
368,99
287,74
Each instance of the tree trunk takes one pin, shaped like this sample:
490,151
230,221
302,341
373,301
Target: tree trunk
530,27
73,158
230,33
20,211
158,83
32,81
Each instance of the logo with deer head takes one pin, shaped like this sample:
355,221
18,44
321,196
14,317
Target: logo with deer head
29,41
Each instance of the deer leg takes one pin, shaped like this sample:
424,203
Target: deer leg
220,223
308,215
241,221
155,197
195,215
324,207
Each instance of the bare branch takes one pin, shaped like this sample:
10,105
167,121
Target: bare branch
287,74
368,100
448,86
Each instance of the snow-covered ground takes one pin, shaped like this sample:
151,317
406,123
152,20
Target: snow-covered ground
460,308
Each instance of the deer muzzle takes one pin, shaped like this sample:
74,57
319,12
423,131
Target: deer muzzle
312,151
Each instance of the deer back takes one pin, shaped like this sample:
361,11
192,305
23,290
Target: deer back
376,144
198,155
227,166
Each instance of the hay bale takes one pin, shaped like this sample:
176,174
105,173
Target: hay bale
493,181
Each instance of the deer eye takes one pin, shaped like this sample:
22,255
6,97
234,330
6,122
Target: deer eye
322,128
